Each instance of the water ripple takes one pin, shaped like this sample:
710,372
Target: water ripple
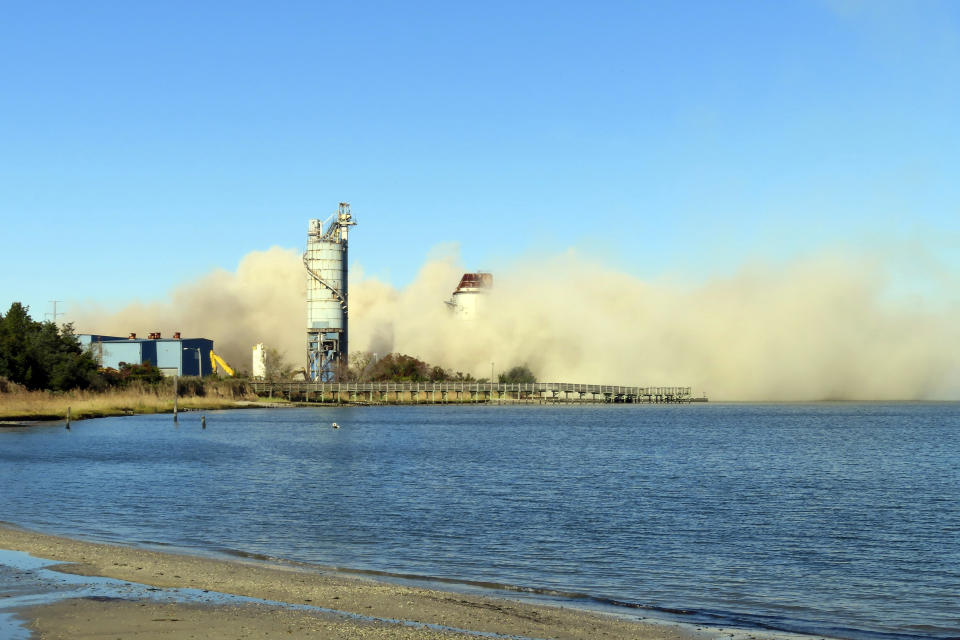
837,519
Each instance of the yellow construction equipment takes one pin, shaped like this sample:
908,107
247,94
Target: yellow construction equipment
217,360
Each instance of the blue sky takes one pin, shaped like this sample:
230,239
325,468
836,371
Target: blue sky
142,145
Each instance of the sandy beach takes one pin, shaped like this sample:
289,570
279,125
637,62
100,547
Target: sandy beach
300,603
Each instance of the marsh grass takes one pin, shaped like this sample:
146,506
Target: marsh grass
18,403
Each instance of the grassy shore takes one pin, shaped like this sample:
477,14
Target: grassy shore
300,603
16,403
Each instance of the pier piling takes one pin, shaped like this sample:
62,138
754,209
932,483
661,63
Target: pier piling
470,393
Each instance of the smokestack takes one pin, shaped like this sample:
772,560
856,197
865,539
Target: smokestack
176,335
132,336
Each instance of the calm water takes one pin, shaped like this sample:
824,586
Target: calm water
838,520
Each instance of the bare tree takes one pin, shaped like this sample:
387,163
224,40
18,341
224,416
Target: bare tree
360,362
277,366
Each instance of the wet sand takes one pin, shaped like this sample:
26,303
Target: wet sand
355,607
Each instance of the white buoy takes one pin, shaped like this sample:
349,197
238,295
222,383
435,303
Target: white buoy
335,425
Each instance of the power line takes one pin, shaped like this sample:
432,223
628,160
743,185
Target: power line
54,313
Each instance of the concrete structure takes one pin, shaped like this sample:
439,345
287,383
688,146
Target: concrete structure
259,370
173,356
467,301
326,263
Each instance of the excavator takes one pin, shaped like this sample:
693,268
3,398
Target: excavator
217,360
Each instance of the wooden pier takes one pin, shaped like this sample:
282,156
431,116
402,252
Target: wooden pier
467,393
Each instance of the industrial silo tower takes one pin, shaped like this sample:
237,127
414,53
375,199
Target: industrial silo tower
326,263
468,300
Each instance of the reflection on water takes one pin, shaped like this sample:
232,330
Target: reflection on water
832,519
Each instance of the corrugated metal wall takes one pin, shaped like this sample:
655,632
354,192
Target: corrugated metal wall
185,357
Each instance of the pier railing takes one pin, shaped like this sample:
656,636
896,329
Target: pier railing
466,392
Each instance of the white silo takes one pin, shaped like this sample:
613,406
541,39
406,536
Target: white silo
326,264
259,362
467,300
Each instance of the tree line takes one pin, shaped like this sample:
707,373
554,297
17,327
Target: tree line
40,355
398,367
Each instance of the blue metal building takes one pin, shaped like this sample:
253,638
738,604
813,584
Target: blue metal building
173,356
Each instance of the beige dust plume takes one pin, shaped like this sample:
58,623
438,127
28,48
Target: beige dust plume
262,301
820,328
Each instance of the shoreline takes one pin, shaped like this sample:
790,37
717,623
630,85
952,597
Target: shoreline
285,597
192,405
13,420
29,420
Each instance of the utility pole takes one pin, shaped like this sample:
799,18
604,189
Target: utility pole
54,315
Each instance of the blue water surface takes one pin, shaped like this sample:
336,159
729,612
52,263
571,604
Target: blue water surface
830,519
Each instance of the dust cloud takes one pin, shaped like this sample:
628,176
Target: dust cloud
262,301
826,327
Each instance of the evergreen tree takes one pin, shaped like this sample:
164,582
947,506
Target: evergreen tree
16,362
38,355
